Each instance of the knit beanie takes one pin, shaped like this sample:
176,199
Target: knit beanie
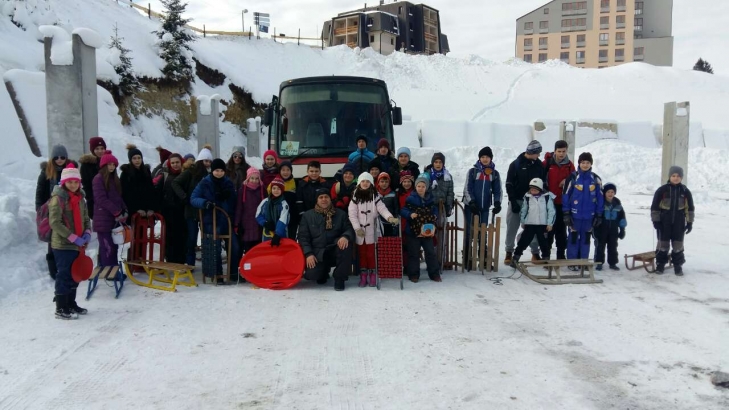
188,156
487,152
361,137
675,169
132,150
438,155
59,151
270,152
218,164
164,155
70,173
403,150
279,183
534,147
349,167
406,175
205,154
383,175
287,164
252,171
585,156
322,191
424,177
239,150
609,186
96,142
383,143
108,158
365,176
561,144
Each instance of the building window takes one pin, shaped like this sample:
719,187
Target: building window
543,25
619,53
580,38
604,39
573,24
542,57
370,21
620,20
604,22
392,41
580,57
605,5
603,56
621,3
372,39
542,42
410,11
528,58
638,51
638,8
580,5
399,10
411,26
638,24
565,41
529,25
620,38
565,56
527,42
546,11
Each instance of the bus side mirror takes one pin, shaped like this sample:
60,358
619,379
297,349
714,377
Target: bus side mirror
268,117
397,116
285,126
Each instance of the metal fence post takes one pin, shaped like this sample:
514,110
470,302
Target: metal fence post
298,40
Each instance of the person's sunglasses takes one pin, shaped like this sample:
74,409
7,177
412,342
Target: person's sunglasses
238,156
61,158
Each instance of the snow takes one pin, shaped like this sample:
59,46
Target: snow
62,46
463,343
205,102
89,37
167,37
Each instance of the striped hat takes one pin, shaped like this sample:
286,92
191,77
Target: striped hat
70,173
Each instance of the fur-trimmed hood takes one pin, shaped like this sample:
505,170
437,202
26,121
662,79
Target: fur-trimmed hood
88,159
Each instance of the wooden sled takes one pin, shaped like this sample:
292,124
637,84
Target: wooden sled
108,273
554,274
484,244
645,260
163,272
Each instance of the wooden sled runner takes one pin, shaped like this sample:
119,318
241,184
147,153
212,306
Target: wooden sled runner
484,244
163,272
645,260
554,272
108,273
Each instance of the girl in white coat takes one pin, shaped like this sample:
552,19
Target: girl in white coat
365,209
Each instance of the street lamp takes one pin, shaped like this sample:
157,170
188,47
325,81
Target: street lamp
243,19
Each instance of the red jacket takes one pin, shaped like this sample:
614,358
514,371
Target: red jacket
556,174
402,196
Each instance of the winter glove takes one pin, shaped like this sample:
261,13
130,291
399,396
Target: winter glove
76,240
270,226
656,225
121,217
689,227
394,220
497,208
597,221
473,207
515,207
621,234
567,220
360,232
275,241
209,205
86,237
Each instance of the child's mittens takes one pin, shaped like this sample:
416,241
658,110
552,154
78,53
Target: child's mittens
209,205
360,232
621,234
76,240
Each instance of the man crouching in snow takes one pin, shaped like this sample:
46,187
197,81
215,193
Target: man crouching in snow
325,235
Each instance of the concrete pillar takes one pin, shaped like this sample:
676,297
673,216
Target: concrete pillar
208,123
676,118
567,133
253,141
71,100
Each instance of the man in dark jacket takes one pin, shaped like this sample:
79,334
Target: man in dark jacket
325,235
525,167
558,168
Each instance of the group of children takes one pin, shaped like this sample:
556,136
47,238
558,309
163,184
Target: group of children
267,205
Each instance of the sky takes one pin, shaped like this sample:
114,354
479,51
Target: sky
482,27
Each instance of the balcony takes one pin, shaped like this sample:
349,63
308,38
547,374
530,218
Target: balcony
580,60
638,28
352,45
638,57
605,26
343,31
543,46
604,9
619,58
565,45
574,12
638,12
430,22
604,42
620,25
619,42
621,8
529,31
603,59
431,37
544,30
565,60
574,28
580,44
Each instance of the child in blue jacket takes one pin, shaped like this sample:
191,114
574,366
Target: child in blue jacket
362,157
612,228
214,190
273,214
582,204
420,209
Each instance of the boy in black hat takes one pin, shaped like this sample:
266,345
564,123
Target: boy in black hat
612,228
362,157
672,213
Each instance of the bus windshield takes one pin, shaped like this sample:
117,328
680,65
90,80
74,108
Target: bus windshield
326,119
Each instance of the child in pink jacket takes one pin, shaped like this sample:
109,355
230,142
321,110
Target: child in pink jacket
365,208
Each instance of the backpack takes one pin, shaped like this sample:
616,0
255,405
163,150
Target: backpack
43,223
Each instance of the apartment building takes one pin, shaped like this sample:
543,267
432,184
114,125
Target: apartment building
386,27
597,33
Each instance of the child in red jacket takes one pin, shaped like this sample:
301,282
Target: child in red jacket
558,168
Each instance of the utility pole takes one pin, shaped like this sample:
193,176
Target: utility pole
243,19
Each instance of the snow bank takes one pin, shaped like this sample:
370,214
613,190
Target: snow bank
90,37
61,47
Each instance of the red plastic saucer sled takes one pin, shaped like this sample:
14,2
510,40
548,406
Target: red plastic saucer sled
82,267
274,267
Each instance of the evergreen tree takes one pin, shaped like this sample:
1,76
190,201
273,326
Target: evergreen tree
128,83
703,65
174,44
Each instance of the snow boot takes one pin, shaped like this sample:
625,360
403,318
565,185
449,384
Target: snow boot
598,266
362,279
508,258
536,258
661,261
373,278
614,267
73,306
678,260
338,285
436,278
52,269
62,310
660,268
513,260
678,270
561,254
414,279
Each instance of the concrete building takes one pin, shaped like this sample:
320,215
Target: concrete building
597,33
404,26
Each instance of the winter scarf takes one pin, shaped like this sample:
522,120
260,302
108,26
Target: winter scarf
273,213
434,175
328,214
253,185
74,199
383,192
